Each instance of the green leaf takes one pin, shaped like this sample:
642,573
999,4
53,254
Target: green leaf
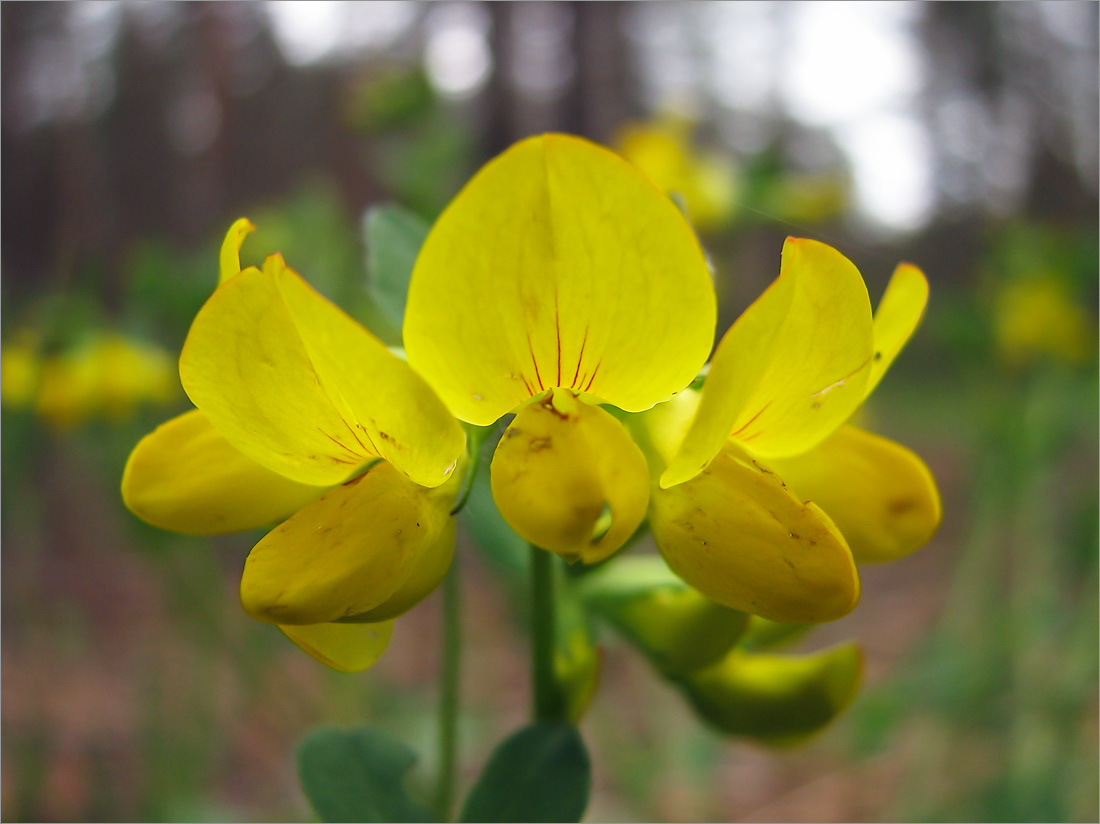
358,775
393,238
541,773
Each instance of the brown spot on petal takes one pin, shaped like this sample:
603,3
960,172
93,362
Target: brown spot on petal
899,506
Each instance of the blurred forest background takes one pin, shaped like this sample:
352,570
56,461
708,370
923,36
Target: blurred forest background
959,136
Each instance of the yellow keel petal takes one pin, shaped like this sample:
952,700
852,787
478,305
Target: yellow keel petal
558,265
428,573
186,477
879,494
568,478
344,647
738,535
346,553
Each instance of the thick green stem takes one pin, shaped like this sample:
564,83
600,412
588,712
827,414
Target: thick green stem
450,673
549,702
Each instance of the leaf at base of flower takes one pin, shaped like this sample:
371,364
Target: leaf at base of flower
393,237
541,773
358,775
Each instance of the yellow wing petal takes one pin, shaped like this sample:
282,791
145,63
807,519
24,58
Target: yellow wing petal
186,477
301,388
879,494
791,369
558,266
896,318
347,552
344,647
739,536
229,259
778,699
567,477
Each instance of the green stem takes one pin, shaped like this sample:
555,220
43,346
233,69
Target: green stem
474,448
549,702
448,692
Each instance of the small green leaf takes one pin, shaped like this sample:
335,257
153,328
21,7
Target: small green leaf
358,775
541,773
393,238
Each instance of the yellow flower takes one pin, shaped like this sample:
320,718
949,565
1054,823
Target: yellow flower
767,497
107,375
1036,317
560,280
305,416
663,150
557,280
19,370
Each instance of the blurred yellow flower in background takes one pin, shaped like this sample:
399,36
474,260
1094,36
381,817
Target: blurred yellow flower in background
19,368
1036,317
107,375
705,180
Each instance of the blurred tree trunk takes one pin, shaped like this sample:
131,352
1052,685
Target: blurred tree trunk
587,46
601,91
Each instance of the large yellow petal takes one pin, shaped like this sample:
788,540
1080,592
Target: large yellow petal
301,388
791,369
896,318
567,477
879,494
558,265
229,259
347,552
186,477
778,699
737,534
344,647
